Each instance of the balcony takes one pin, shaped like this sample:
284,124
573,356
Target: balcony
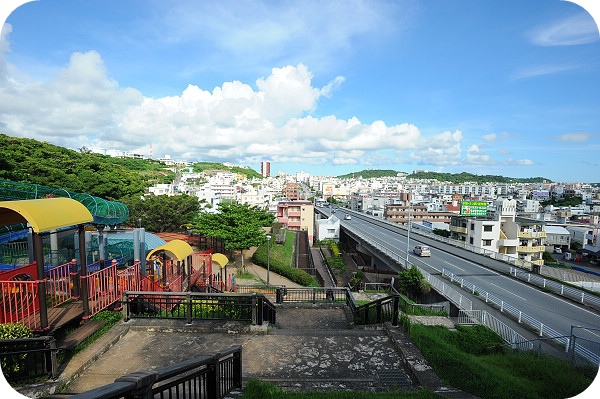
458,229
294,214
508,242
531,250
532,234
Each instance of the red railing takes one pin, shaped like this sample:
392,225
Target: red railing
59,284
19,296
103,289
19,302
129,279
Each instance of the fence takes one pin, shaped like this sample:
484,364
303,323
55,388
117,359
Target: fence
28,358
523,318
449,292
196,305
212,376
312,294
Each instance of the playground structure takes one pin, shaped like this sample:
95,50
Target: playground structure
45,298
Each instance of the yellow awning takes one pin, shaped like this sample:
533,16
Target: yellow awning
44,214
176,249
220,259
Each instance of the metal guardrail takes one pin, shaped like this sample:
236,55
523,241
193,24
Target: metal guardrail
29,358
521,317
565,290
509,335
461,301
195,305
213,376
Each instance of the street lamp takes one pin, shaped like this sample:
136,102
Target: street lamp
408,235
268,257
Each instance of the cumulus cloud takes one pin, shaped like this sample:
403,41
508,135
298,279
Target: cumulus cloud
236,122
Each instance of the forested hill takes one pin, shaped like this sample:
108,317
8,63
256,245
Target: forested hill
370,173
35,162
455,178
464,177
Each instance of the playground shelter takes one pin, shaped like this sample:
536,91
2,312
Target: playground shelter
42,216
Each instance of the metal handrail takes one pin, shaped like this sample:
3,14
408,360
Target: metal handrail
203,376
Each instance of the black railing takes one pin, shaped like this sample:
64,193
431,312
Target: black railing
27,358
212,376
379,311
311,294
253,308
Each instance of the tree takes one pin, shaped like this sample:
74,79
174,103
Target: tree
412,283
162,212
239,226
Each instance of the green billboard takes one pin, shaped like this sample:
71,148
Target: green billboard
473,208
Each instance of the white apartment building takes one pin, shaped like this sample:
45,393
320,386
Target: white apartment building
327,228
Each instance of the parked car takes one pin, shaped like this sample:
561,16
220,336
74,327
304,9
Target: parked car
348,217
568,256
557,250
422,250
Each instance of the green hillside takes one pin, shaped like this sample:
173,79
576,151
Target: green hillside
35,162
370,173
455,178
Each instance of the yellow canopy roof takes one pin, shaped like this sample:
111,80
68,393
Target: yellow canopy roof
44,214
220,259
176,249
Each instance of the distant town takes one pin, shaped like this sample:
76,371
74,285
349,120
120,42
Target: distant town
505,210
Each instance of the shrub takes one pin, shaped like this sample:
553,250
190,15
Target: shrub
16,363
14,331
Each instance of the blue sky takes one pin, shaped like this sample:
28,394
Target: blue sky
505,87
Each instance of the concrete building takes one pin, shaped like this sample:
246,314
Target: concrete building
297,215
327,228
557,237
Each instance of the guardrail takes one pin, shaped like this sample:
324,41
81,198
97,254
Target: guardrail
522,318
212,376
197,305
26,358
565,290
461,301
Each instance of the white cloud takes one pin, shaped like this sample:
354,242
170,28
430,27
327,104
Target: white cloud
519,162
82,106
574,137
574,30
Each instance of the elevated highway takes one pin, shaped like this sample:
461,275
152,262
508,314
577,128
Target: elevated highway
471,274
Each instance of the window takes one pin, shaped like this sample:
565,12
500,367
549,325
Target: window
487,243
471,240
487,227
472,226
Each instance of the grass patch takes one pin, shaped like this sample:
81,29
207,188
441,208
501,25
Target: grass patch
243,275
474,360
256,389
280,259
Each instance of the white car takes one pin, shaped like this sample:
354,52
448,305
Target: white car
422,250
557,250
348,217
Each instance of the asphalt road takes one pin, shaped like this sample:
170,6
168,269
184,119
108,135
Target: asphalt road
551,310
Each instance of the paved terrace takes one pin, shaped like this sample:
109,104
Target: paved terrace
312,348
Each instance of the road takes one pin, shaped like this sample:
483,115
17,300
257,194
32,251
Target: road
551,310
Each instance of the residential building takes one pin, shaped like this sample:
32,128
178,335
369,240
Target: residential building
327,228
297,215
291,191
557,237
265,168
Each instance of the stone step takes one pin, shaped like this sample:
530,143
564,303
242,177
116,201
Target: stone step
82,332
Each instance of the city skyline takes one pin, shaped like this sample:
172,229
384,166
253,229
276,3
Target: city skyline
508,88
